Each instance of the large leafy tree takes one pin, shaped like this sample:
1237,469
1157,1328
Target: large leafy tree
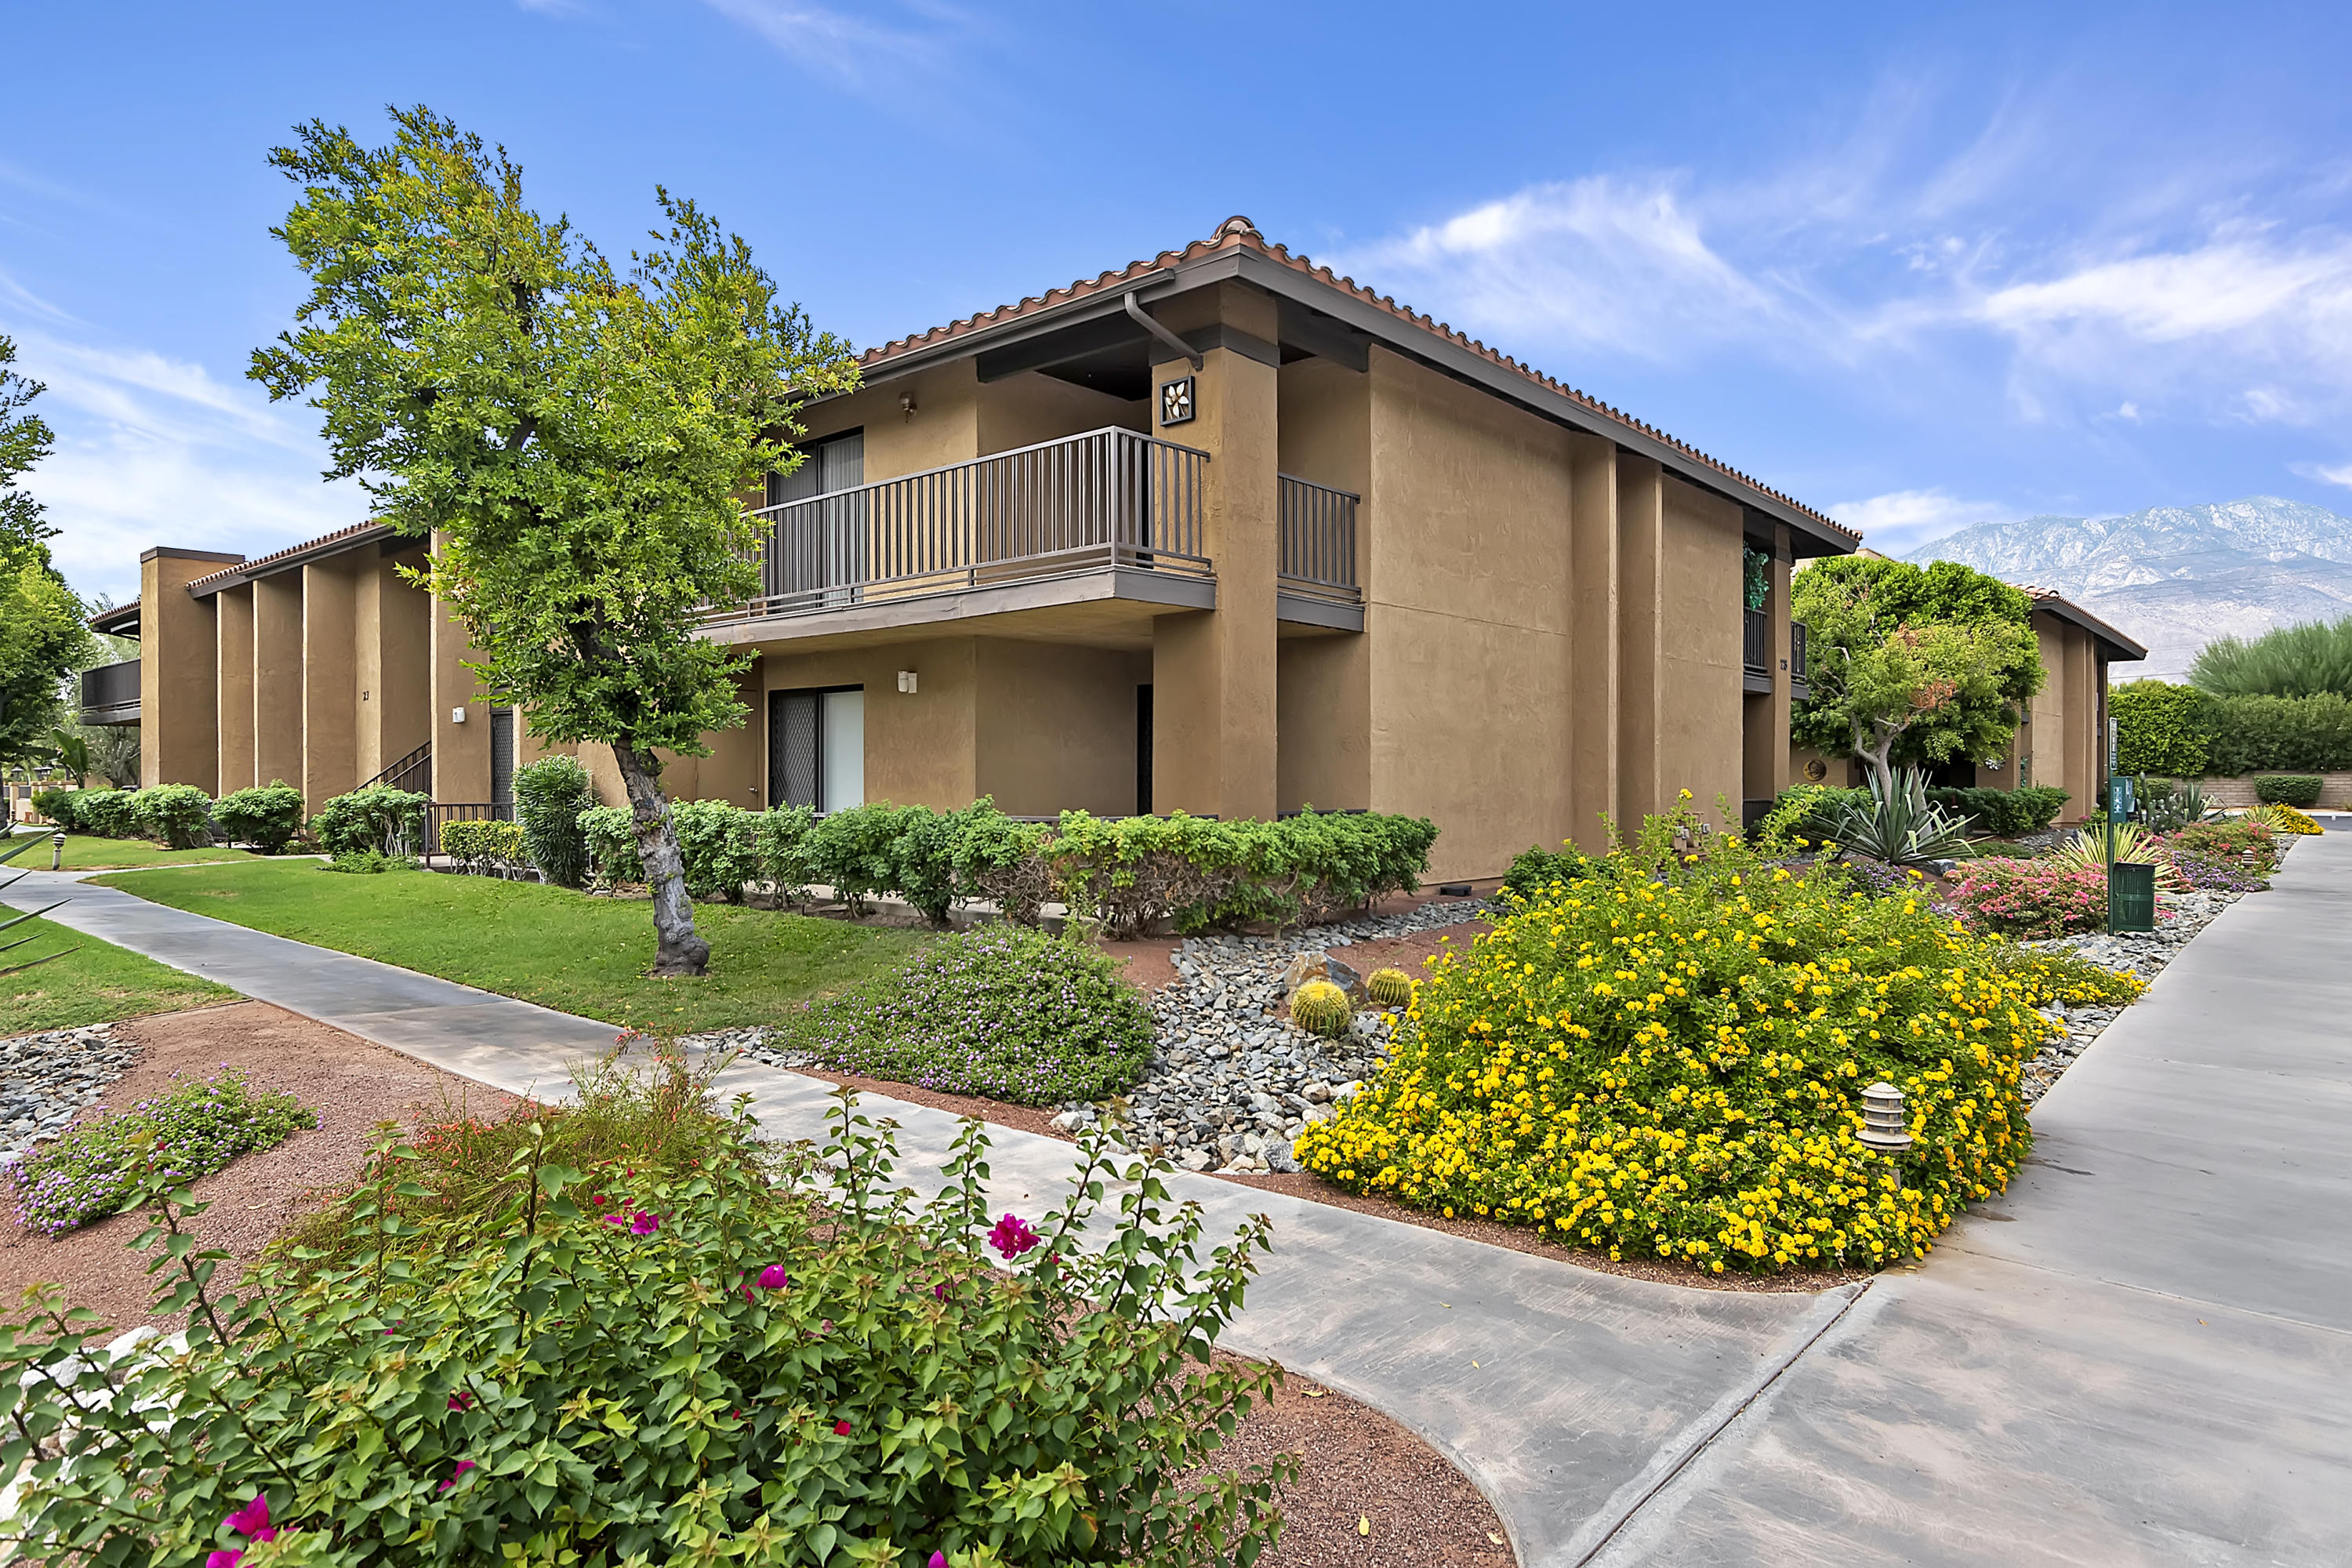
42,638
575,437
2285,661
1911,664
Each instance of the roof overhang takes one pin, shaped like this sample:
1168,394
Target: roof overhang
287,560
2114,645
1336,323
122,621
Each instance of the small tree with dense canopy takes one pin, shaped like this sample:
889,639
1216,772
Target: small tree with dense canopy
1911,664
576,440
2289,661
42,638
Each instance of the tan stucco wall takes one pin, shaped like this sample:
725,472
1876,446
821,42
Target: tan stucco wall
393,631
1323,694
1593,675
1466,545
233,685
277,678
461,751
1698,712
329,678
1024,409
919,748
179,696
1056,726
2065,739
944,428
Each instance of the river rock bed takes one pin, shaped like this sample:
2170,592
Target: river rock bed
2179,917
46,1078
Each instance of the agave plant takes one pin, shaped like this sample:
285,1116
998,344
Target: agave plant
1900,826
2087,851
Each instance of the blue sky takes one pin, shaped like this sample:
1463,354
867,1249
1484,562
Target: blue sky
1917,265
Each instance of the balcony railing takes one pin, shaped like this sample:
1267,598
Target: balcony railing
1319,541
1109,497
1755,641
109,693
1798,687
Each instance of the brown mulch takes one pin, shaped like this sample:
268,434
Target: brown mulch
351,1085
1358,1466
1370,1494
1521,1239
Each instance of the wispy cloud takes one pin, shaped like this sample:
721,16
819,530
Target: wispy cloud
1901,521
152,450
2326,473
857,50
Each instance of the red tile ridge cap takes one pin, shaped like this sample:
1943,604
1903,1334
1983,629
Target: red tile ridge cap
245,569
1239,233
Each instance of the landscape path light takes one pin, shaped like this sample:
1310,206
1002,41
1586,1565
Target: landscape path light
58,851
1884,1127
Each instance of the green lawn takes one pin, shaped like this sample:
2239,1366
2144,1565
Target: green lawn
560,948
84,853
95,986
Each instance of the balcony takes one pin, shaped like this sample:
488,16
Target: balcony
1755,653
1799,688
1317,585
1111,515
109,693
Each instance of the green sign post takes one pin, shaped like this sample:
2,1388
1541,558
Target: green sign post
2131,886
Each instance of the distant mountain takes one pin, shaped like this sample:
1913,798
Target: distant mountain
2175,577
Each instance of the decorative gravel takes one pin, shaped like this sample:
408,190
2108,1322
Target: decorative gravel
2179,918
46,1079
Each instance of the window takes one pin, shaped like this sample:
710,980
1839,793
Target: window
825,547
816,747
502,764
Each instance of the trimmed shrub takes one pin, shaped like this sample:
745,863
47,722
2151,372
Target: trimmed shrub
379,817
902,1395
1391,987
720,846
267,818
191,1129
1129,875
1536,869
922,859
2161,728
2004,813
61,806
107,813
1001,1011
2029,899
611,833
1005,861
856,853
2288,789
482,847
2283,734
550,794
1665,1059
1320,1007
177,817
782,837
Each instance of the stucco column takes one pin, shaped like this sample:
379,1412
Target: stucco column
277,678
461,748
1214,743
179,699
394,624
1592,639
1640,626
233,681
330,688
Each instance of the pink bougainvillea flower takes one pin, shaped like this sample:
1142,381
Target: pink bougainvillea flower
463,1465
225,1558
939,1560
1013,1236
461,1400
252,1520
645,1224
940,1290
599,1200
617,1219
841,1429
773,1277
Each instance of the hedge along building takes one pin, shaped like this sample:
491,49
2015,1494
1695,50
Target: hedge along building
1220,531
2063,740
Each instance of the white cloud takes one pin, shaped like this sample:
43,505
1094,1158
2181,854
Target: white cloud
1902,520
855,49
152,450
2326,473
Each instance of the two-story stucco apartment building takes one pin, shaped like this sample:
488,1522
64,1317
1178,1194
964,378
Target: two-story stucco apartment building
1220,531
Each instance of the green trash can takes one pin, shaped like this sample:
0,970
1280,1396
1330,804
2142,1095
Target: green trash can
2131,896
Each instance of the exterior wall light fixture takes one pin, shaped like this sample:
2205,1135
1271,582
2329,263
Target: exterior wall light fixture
1884,1125
456,715
907,682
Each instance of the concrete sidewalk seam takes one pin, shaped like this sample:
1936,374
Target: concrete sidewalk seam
2005,1260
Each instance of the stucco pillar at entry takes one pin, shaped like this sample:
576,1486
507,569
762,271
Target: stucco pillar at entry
178,699
461,721
1214,743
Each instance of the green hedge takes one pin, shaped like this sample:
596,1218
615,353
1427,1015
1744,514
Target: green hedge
388,821
2178,731
177,817
2288,789
550,795
267,816
2004,813
2161,729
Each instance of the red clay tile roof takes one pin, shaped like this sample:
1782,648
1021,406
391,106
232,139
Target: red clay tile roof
2058,604
1238,233
246,571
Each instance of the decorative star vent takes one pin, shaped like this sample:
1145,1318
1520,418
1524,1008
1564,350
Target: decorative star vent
1176,401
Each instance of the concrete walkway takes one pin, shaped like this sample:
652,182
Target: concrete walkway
1567,1395
2143,1352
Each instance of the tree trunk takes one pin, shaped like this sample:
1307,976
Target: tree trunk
677,950
1882,767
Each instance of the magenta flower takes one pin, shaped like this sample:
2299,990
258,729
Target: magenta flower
461,1400
252,1521
939,1560
773,1277
940,1290
1013,1236
463,1465
841,1429
617,1219
225,1558
645,1224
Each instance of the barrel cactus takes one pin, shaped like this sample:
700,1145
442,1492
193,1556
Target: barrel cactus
1389,988
1321,1008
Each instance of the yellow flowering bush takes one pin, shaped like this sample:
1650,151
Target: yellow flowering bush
1664,1058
